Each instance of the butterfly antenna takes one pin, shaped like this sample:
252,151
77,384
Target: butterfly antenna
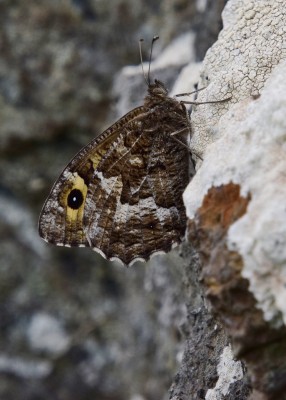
147,77
141,59
150,57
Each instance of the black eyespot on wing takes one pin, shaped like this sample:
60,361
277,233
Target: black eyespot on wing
75,199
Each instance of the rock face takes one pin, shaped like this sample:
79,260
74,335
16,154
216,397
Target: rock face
72,326
210,325
236,201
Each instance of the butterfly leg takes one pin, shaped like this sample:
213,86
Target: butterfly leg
189,128
183,144
190,93
178,132
197,103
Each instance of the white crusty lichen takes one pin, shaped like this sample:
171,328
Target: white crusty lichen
228,371
247,143
260,235
251,43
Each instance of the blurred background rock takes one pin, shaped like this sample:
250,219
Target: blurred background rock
72,325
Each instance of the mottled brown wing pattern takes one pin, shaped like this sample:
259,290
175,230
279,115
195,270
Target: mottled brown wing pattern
122,193
59,223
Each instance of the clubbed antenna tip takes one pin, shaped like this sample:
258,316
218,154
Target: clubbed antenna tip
147,77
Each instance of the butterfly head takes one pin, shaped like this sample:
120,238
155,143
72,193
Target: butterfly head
157,93
157,89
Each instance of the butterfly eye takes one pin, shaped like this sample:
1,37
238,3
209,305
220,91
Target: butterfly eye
75,199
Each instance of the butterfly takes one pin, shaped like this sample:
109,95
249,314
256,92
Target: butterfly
121,194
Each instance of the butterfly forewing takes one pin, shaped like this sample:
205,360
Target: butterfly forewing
59,223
